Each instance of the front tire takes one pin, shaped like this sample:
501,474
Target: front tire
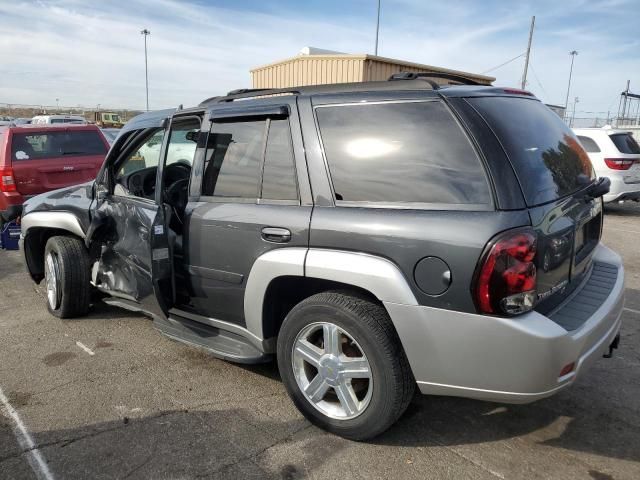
343,365
66,269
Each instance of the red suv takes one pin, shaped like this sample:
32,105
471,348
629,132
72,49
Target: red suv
35,159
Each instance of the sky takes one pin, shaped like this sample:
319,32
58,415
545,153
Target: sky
91,52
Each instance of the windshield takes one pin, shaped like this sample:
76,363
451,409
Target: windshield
547,157
56,144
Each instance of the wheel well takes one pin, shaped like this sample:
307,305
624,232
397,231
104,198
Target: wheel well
284,293
34,245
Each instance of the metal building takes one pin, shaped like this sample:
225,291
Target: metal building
315,66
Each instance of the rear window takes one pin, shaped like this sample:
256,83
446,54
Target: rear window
410,152
40,145
625,143
548,160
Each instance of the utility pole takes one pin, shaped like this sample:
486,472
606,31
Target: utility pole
624,103
146,33
573,54
57,104
377,29
526,58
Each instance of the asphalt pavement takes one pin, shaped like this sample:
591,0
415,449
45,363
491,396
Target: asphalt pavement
107,396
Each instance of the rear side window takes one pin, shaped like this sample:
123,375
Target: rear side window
411,152
625,143
42,145
279,179
589,144
234,154
547,158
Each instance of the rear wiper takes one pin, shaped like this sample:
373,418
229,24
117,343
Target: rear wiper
598,188
72,153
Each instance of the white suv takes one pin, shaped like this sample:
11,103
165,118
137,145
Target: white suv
614,154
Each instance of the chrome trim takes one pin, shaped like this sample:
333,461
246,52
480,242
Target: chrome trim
60,220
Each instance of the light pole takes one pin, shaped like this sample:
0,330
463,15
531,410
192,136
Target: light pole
573,116
57,104
377,29
573,54
146,33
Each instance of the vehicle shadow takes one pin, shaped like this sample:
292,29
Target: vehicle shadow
627,209
226,443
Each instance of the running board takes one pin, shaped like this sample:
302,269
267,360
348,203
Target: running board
219,343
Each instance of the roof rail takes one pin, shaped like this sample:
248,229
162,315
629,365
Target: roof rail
250,93
427,75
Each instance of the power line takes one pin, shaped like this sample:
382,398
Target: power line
535,75
503,64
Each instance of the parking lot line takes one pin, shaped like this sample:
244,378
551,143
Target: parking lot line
36,460
631,310
85,348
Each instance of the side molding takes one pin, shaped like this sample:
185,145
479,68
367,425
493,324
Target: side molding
275,263
60,220
375,274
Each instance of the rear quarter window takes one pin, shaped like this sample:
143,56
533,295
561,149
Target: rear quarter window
545,154
408,152
589,144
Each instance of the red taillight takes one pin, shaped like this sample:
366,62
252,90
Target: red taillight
506,282
7,183
619,163
517,91
567,369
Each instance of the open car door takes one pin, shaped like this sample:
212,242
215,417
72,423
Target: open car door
127,229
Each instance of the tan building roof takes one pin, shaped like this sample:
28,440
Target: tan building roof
316,69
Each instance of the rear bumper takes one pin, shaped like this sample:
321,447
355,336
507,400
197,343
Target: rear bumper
620,190
510,360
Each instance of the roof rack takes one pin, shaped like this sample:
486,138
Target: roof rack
250,93
427,75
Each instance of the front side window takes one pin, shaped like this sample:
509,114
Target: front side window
410,152
233,159
136,174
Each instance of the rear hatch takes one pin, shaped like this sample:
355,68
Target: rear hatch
628,160
51,158
554,173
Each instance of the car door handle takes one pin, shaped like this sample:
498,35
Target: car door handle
276,234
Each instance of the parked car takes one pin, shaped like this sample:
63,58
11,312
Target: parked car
615,154
4,120
371,237
55,119
20,121
36,159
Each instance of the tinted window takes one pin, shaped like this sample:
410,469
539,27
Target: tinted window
589,144
56,144
234,152
279,180
625,143
400,152
546,155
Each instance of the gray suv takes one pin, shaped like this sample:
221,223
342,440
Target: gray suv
372,237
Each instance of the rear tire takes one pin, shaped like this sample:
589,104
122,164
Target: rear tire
375,384
67,277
